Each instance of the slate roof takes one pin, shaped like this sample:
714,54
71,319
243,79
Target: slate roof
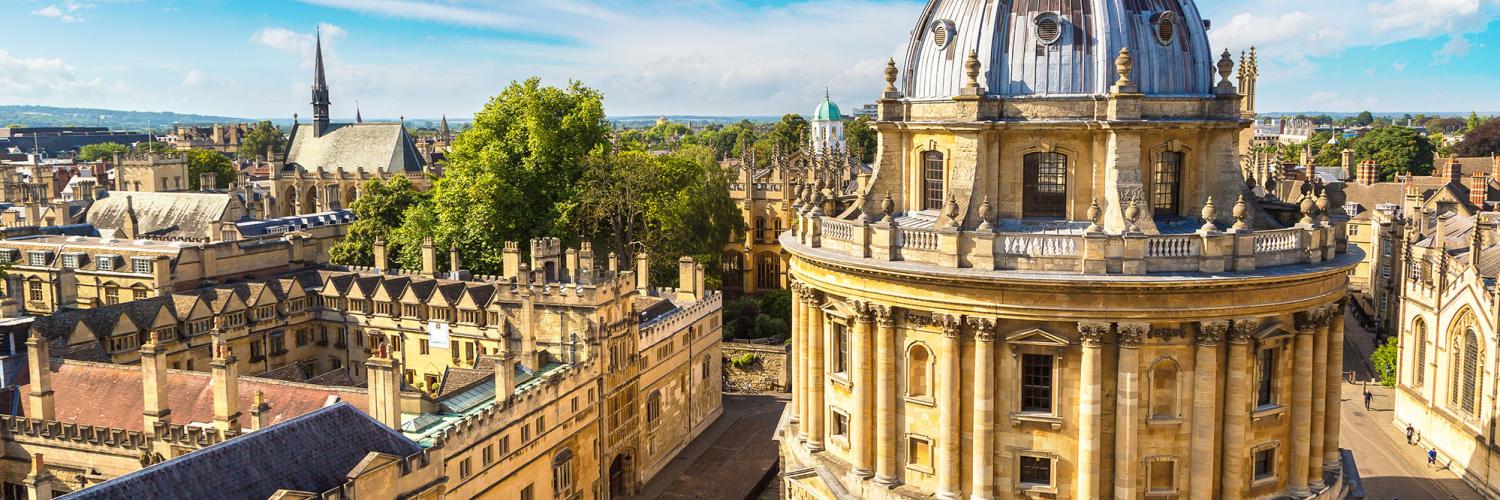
371,147
79,399
178,215
314,453
294,223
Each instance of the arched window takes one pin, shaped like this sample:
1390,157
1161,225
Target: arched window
562,473
734,270
1164,390
1469,401
918,372
932,180
653,409
1166,184
1046,185
1419,365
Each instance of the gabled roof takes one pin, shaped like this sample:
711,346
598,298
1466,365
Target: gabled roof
258,464
369,147
183,214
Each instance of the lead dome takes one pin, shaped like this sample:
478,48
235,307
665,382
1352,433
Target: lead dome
1051,48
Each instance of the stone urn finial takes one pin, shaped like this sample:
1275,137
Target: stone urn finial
984,215
1209,214
1132,213
952,210
1307,208
1240,211
890,75
972,67
1123,65
1093,215
1226,67
1322,205
888,206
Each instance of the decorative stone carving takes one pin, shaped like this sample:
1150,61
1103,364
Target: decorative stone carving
1132,213
1091,334
890,75
920,319
1241,329
885,316
1226,68
1211,333
1241,211
1166,334
888,207
952,325
972,67
1123,66
1322,206
1307,207
1129,338
864,311
984,328
984,215
1209,214
1093,216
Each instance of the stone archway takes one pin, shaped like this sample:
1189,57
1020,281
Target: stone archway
620,484
350,194
310,201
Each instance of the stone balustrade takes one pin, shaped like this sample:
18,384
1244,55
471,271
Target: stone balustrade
1090,253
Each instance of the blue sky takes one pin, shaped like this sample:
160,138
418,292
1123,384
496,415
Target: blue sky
423,58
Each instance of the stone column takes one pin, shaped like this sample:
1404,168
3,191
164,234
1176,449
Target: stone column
886,404
949,432
799,355
1319,384
1128,410
1301,412
982,461
1331,456
815,408
1205,408
862,416
1090,407
1237,377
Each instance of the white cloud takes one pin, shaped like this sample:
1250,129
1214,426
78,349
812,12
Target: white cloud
298,43
425,11
1458,47
1290,31
28,79
69,12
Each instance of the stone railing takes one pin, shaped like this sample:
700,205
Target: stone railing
1088,253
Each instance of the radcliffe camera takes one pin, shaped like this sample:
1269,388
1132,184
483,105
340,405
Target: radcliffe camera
750,250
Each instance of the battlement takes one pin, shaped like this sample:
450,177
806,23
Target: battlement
135,159
662,328
109,437
542,248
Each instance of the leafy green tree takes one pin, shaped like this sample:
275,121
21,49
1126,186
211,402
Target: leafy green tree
1398,150
862,139
202,161
790,133
101,151
261,137
380,209
1473,123
1364,119
668,206
1384,359
1483,140
512,176
160,148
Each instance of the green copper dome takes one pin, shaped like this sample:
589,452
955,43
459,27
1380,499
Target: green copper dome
827,112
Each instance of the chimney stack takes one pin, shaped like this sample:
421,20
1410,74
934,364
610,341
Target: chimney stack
586,263
1346,160
511,259
1367,173
154,382
505,375
614,263
1478,190
1455,171
226,387
686,280
385,387
380,255
260,414
40,364
429,257
208,181
570,259
453,262
38,480
642,272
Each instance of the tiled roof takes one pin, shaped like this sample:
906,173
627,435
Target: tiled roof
1482,165
314,453
371,147
185,214
109,395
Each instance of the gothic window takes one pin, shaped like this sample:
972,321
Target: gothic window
760,230
918,370
1164,390
1470,373
1166,184
562,473
653,409
768,271
1046,185
932,180
1265,378
1036,383
1419,366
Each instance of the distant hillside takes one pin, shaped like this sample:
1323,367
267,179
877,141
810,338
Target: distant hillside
48,116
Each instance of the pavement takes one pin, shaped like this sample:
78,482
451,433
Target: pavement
1389,468
730,458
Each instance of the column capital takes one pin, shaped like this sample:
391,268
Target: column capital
952,325
885,315
1129,337
984,328
864,311
1092,333
1211,333
1312,319
1241,329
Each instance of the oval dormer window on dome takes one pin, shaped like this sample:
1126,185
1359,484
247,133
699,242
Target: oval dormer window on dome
942,33
1166,27
1048,28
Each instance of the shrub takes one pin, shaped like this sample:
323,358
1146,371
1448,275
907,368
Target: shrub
745,360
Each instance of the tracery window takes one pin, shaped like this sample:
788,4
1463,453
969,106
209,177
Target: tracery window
1419,366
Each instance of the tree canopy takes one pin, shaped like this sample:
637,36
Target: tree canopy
1483,140
201,161
380,208
101,151
1398,150
511,176
862,139
261,137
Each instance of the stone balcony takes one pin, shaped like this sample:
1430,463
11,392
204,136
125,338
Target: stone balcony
1072,250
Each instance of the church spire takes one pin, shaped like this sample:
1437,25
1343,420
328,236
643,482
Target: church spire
319,90
357,117
444,133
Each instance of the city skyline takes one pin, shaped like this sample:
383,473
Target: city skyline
745,57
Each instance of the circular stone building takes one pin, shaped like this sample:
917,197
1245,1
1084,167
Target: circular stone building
1057,283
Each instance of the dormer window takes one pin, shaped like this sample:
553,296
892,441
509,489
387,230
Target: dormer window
37,258
105,262
140,265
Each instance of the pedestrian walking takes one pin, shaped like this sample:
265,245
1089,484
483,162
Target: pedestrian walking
1409,432
1368,398
1432,457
